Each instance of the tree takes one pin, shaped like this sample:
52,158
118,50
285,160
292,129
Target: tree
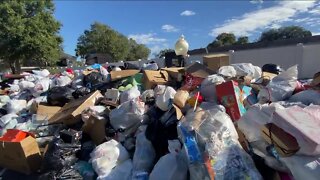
243,40
137,51
163,52
28,33
103,39
223,39
288,32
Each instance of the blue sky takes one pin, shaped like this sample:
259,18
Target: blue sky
158,24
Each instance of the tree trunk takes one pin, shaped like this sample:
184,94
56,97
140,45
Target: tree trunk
13,69
17,66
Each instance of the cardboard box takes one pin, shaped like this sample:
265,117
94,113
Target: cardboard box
232,97
116,75
285,143
154,78
174,73
96,129
198,70
71,112
214,62
43,111
20,154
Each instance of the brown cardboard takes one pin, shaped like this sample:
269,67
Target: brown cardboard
23,156
174,72
44,111
179,113
154,78
180,98
96,129
116,75
71,112
285,144
214,62
198,70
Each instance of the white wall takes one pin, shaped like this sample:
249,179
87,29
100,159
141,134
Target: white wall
311,61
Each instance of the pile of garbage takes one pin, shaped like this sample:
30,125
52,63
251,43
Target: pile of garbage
240,122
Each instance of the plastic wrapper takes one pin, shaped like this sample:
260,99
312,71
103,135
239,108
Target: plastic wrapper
208,87
144,155
281,87
15,106
307,97
247,69
121,171
129,94
164,100
59,96
108,155
127,114
227,71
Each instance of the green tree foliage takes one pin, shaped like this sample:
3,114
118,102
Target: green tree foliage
288,32
28,33
243,40
226,39
103,39
137,51
163,52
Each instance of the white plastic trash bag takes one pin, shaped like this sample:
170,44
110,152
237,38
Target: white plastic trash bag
208,87
129,94
247,69
227,71
108,155
41,86
127,115
280,87
43,73
4,99
147,94
26,85
14,87
15,106
163,101
104,71
7,118
307,97
170,167
63,81
121,171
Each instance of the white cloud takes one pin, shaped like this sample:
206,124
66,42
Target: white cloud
187,13
315,10
157,48
250,22
256,1
169,28
315,33
149,38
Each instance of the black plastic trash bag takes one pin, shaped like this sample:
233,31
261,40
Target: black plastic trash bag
82,91
131,66
271,68
59,155
93,79
59,96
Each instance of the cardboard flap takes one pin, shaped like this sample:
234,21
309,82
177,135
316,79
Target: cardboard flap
198,70
96,129
116,75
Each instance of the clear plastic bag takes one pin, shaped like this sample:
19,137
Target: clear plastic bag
26,85
281,87
15,106
247,69
208,87
63,81
129,94
227,71
163,101
144,155
7,118
127,114
42,73
307,97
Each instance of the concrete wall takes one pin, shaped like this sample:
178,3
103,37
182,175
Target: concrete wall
307,57
311,60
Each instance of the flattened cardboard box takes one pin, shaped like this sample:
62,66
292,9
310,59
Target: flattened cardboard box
214,62
116,75
154,78
23,156
95,128
71,112
44,111
174,72
285,143
198,70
